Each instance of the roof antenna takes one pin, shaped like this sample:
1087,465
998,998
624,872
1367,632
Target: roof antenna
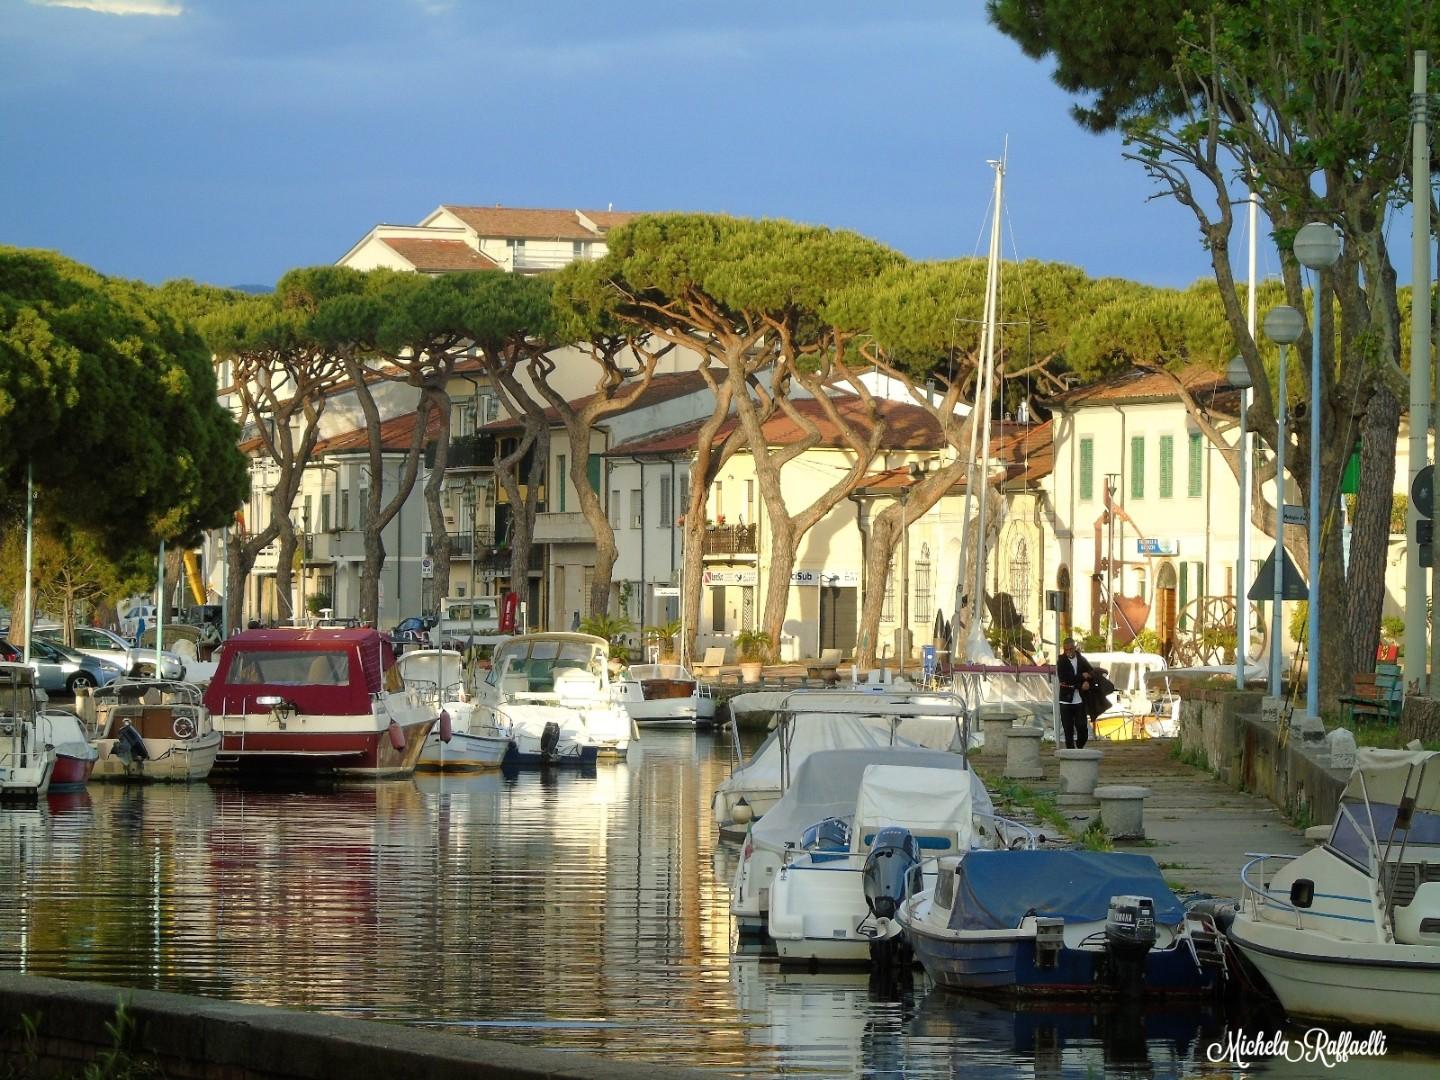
609,206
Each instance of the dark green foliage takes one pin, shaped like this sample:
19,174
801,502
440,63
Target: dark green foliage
110,395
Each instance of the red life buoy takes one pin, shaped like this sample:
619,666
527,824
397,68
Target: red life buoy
445,731
397,736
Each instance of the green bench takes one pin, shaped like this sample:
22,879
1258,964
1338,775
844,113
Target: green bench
1379,696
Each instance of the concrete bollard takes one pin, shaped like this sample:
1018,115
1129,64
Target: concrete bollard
1022,753
1122,809
1342,749
996,724
1079,773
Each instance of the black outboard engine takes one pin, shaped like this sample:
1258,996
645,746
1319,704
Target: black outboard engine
549,740
1129,937
892,872
130,746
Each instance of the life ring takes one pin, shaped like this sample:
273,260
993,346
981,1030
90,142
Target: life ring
184,727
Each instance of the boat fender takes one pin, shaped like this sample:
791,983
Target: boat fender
445,729
397,735
549,740
741,813
129,744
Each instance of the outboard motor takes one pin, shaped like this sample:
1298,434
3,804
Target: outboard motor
1129,936
830,834
892,872
130,746
549,740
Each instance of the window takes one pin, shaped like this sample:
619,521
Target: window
637,508
1197,465
1184,594
364,506
305,514
492,408
325,512
887,609
560,484
344,509
667,506
614,509
750,500
719,497
684,493
1137,467
580,249
587,583
924,599
1087,469
592,473
1167,466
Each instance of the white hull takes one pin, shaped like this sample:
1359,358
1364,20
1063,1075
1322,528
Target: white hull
1321,978
464,751
28,781
171,760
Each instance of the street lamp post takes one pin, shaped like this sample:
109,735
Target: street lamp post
470,510
1317,246
915,475
1238,375
1283,325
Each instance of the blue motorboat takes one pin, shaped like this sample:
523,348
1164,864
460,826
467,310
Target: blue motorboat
1053,923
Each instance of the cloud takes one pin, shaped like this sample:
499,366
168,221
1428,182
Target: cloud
118,7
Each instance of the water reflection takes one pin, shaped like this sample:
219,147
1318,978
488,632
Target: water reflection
575,911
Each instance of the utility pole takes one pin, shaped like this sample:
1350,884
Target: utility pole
1420,384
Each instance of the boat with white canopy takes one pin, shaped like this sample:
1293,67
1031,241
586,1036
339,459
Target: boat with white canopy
152,730
1350,931
458,741
27,762
663,695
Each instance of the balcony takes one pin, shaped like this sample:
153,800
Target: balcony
465,452
567,528
724,540
326,547
461,542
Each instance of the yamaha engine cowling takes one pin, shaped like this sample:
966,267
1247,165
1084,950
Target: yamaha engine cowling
550,740
1129,937
891,874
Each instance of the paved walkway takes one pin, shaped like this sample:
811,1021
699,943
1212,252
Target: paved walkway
1196,828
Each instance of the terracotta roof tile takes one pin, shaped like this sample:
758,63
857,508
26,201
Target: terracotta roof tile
508,222
437,255
395,435
665,387
1140,384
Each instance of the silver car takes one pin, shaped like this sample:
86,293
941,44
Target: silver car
59,668
93,641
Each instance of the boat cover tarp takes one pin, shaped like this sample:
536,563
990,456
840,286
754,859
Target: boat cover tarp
807,734
1385,775
827,784
923,799
995,890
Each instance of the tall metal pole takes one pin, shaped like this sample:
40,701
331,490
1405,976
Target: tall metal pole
1242,573
1277,614
904,576
1420,383
225,583
1312,663
160,606
29,557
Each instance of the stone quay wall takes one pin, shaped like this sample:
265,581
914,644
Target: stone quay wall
1248,752
192,1038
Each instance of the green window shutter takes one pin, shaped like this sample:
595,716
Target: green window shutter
592,469
1167,466
1197,460
1137,467
1087,469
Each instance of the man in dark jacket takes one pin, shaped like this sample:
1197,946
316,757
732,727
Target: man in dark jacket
1076,677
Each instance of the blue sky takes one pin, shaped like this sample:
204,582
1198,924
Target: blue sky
230,140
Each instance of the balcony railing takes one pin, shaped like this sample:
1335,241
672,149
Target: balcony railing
460,542
465,452
729,540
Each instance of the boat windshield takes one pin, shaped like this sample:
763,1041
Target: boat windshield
480,611
540,661
291,668
1352,838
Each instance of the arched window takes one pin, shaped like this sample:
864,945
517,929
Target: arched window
924,590
1020,574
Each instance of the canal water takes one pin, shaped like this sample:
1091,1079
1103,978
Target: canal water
577,912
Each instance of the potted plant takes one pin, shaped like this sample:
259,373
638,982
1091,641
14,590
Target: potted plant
664,636
755,647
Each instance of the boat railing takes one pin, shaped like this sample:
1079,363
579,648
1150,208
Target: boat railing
1254,884
1010,831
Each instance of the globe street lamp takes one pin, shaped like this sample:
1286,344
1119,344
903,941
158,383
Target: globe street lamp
1283,325
1317,246
1238,376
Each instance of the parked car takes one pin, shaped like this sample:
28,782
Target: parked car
94,641
134,621
9,653
60,668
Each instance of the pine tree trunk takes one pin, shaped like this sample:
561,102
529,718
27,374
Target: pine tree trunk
783,544
1370,532
370,577
285,575
434,488
879,551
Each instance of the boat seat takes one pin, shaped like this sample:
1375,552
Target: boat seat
515,682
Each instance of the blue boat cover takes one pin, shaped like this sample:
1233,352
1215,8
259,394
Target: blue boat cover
994,890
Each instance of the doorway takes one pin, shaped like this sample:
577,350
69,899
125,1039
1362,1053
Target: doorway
1166,608
839,606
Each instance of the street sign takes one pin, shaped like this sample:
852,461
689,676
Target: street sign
427,566
1149,545
1422,491
666,590
1054,600
1292,585
1292,514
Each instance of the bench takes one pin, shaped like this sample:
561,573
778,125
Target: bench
1378,696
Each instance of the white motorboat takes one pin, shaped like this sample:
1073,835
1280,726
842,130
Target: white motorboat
835,897
1350,931
27,761
811,720
663,695
147,729
458,741
825,790
1142,705
551,693
75,756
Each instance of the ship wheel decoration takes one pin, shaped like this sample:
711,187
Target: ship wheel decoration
1205,633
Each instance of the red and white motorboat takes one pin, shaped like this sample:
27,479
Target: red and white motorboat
324,701
74,755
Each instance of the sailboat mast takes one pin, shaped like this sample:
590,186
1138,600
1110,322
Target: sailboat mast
976,645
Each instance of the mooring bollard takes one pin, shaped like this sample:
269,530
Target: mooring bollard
1122,810
1022,753
1079,773
996,724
